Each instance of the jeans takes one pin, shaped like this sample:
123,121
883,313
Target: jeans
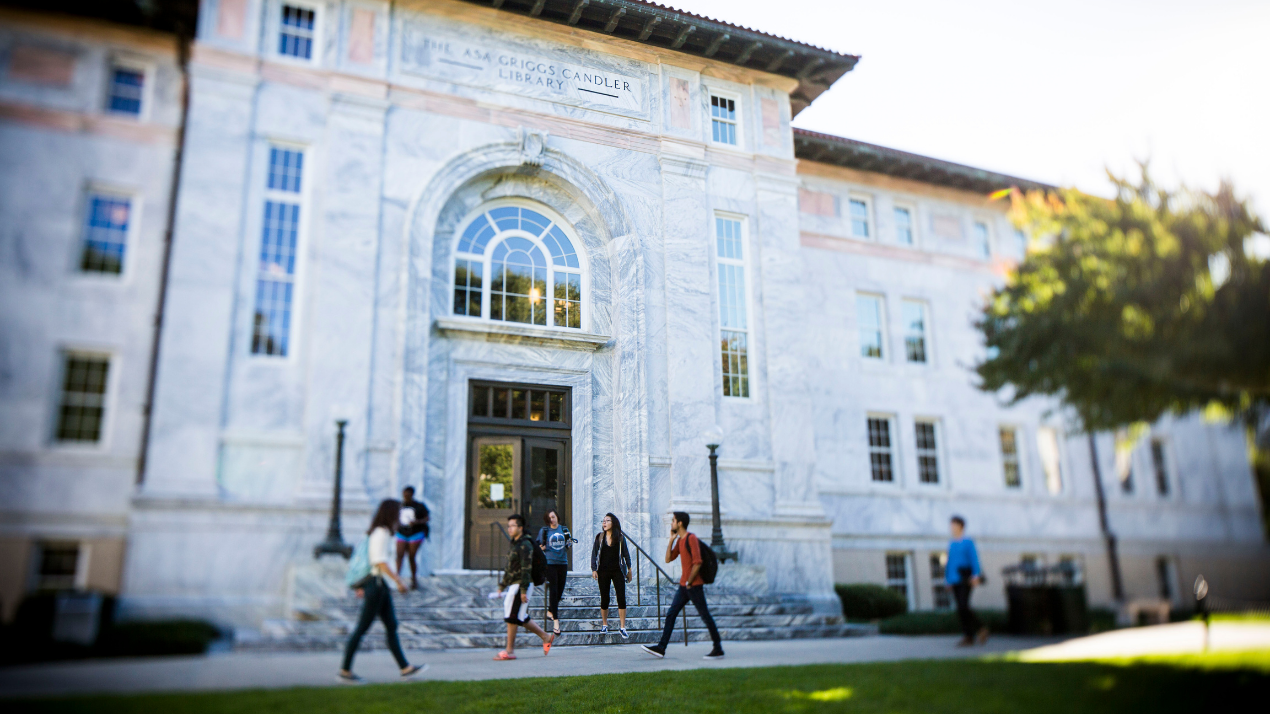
969,621
619,583
377,602
556,575
698,597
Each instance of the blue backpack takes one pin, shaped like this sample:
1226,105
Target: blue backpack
359,565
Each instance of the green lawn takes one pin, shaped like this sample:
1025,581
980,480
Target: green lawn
1191,685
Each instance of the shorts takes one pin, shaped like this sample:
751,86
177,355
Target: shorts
516,612
416,538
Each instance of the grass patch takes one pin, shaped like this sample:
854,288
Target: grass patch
975,686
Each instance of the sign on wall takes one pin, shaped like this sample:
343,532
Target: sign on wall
497,65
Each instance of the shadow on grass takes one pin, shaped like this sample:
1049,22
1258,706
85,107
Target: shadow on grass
935,686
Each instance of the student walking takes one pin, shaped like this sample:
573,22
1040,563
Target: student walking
611,563
412,529
376,597
962,573
553,539
685,546
518,585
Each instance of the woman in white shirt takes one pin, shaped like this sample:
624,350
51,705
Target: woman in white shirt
377,598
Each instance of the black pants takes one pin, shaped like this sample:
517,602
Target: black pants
556,575
377,603
619,584
969,621
698,597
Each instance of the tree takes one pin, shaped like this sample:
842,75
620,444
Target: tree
1128,308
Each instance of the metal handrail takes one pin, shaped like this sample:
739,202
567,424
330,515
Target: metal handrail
493,567
639,598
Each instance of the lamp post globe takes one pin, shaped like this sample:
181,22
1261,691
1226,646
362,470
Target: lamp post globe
713,438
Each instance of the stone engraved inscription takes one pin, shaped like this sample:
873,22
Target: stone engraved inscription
506,69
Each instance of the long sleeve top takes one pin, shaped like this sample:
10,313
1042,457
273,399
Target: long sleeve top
520,564
961,554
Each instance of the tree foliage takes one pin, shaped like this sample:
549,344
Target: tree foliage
1132,307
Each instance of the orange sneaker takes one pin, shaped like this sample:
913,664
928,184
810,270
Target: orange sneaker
503,655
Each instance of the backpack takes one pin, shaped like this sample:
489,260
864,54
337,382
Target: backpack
358,565
538,570
709,563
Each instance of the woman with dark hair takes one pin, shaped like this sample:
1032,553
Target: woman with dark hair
611,563
553,539
412,529
377,599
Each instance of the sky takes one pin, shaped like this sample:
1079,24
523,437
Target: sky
1055,92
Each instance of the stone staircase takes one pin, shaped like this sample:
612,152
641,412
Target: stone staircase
453,611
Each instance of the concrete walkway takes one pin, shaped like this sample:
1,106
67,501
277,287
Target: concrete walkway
280,670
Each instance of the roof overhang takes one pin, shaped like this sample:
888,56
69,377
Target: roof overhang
648,23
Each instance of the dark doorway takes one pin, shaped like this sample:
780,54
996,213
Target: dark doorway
518,462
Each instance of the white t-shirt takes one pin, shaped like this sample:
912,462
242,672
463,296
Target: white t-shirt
378,548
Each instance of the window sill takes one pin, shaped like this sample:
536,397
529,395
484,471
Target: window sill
514,333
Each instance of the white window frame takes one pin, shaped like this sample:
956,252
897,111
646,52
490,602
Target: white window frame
894,449
64,353
301,245
136,64
1042,432
882,327
1018,455
986,250
738,124
941,476
744,264
83,552
909,590
319,19
870,219
579,247
96,188
912,223
924,306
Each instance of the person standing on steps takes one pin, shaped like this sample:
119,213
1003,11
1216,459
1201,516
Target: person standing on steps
412,529
376,597
962,574
553,539
685,547
611,563
518,585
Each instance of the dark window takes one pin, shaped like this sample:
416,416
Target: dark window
58,564
519,403
939,588
927,453
126,86
880,449
480,401
83,404
296,36
1161,467
897,573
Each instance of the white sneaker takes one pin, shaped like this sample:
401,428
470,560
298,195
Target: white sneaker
622,631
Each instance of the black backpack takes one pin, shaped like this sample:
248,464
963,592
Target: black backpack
709,563
538,571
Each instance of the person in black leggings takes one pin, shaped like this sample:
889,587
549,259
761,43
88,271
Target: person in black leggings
554,538
611,563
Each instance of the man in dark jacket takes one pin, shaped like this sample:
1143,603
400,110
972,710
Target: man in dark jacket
516,587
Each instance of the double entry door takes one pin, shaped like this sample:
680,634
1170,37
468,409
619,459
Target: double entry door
507,474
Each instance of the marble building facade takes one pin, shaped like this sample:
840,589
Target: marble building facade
386,208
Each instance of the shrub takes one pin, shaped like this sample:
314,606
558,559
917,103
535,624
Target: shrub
159,637
866,601
938,622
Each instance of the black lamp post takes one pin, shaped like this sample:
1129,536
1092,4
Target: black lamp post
714,438
334,542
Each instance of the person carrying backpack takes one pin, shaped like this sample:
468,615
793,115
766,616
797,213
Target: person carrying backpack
518,584
372,588
611,563
688,549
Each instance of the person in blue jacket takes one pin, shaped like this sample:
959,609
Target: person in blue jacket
962,573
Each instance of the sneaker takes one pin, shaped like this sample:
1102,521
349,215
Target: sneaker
716,653
622,631
982,636
412,670
604,629
966,642
654,651
349,678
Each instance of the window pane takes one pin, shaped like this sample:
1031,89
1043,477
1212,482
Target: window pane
83,399
982,240
502,398
106,234
736,380
1047,449
537,406
903,226
272,321
914,315
880,449
897,573
859,218
939,588
1010,456
927,454
555,410
125,91
296,36
869,319
1160,466
285,167
480,401
520,404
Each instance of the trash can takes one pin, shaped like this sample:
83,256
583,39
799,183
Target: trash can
1045,600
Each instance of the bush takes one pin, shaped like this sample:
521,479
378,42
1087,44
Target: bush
938,622
865,601
159,637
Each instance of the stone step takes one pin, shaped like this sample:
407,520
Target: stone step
352,610
487,626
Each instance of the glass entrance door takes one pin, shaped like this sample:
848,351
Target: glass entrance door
495,493
546,482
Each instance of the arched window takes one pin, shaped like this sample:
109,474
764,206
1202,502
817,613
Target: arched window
516,264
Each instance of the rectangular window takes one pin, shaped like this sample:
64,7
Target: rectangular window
82,410
295,37
897,573
568,299
939,588
927,452
105,233
1051,462
983,239
1167,577
723,120
914,314
1072,572
1010,456
868,309
881,451
127,85
860,218
1124,460
734,331
275,282
467,287
903,225
1160,464
59,566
